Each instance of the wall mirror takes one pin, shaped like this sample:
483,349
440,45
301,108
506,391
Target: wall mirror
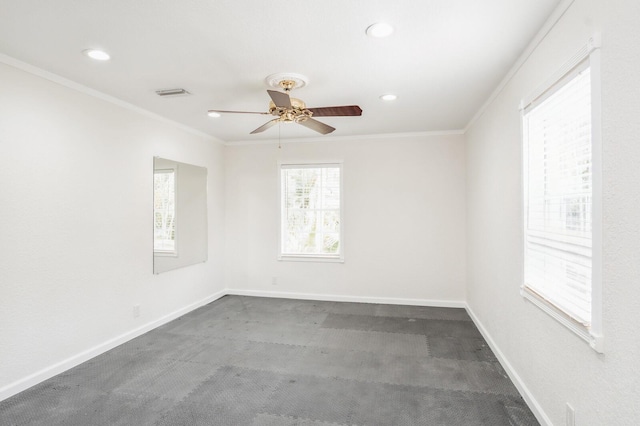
179,215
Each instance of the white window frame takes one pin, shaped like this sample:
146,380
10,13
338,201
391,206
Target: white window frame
309,257
593,334
174,252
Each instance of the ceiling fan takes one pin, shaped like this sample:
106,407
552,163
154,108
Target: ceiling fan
292,110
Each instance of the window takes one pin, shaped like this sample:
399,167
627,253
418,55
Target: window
164,212
310,213
559,225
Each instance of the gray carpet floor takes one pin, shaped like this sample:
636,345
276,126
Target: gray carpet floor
276,362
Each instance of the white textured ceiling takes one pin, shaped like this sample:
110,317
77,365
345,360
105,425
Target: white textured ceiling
443,60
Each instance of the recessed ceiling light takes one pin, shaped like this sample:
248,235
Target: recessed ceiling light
379,29
388,97
98,55
213,114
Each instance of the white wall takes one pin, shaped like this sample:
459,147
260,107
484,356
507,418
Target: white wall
555,365
76,239
404,220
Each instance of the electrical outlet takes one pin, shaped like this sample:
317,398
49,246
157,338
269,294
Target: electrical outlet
571,415
274,281
136,311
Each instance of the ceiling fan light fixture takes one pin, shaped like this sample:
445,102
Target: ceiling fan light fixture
379,30
98,55
389,97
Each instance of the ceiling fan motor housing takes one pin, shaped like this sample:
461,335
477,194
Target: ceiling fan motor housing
297,113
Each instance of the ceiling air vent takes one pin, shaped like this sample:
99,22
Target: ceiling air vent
167,93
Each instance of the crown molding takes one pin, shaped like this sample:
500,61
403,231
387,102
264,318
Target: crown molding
55,78
522,59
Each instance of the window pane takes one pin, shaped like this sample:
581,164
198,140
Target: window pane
331,221
311,210
558,197
164,210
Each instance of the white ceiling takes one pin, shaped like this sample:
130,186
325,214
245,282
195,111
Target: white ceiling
443,60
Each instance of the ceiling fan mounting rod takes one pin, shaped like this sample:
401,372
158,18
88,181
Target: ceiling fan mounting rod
287,85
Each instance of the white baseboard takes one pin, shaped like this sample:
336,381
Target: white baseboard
513,375
48,372
347,298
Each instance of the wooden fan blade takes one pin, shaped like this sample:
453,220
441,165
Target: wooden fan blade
337,111
265,126
237,112
317,126
281,100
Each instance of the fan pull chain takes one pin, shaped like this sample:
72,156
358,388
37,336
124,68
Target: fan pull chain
279,144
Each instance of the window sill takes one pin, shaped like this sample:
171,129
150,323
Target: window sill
165,253
595,341
309,258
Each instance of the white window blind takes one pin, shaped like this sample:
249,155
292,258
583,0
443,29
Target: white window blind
310,210
164,211
558,195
